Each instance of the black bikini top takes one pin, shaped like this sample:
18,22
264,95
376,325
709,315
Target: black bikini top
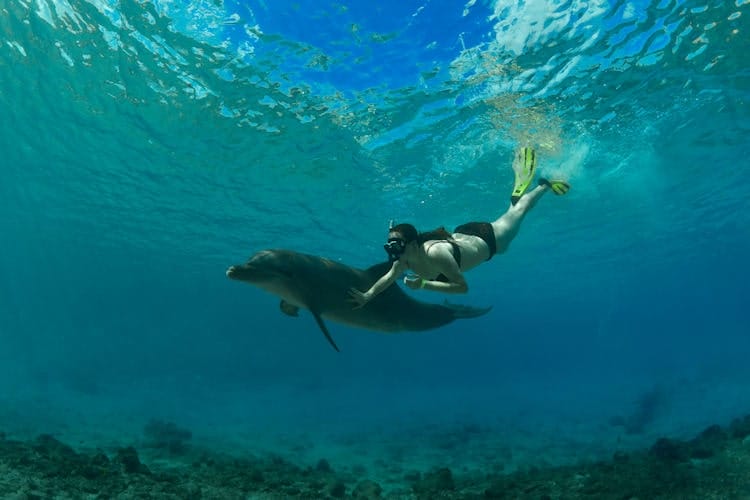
456,251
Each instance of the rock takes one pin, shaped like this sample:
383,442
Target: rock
166,435
292,491
367,490
499,489
708,442
47,445
413,476
435,482
130,462
668,450
323,466
740,427
336,489
256,476
98,466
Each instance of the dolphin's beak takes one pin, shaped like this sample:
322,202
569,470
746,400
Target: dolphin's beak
242,272
231,272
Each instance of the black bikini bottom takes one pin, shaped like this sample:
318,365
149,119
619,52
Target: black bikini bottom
483,230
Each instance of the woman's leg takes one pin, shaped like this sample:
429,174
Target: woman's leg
507,226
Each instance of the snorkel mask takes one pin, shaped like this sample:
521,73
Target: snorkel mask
395,248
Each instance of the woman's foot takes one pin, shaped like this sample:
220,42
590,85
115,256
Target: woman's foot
524,166
557,186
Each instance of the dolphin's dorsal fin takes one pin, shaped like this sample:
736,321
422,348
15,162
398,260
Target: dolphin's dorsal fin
324,329
288,309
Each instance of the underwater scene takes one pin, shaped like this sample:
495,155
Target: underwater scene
217,281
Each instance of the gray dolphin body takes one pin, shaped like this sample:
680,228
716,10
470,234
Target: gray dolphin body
322,286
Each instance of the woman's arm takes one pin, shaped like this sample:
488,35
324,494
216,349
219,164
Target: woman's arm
361,298
456,285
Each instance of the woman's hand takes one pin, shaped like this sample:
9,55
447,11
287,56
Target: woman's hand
413,282
359,299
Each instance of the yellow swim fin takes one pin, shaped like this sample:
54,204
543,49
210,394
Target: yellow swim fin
557,186
524,166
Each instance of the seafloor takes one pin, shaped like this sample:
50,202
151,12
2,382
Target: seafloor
713,464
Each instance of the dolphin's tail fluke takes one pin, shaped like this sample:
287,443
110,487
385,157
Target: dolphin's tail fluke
460,311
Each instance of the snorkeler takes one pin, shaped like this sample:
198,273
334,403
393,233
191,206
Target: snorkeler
438,258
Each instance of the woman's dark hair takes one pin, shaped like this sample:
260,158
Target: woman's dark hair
410,233
407,231
436,234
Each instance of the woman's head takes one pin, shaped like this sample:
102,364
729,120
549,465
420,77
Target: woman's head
398,237
403,234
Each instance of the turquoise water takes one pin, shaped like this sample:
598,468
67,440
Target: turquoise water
148,145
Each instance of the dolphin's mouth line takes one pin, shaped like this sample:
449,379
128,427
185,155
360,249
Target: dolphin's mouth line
233,272
253,274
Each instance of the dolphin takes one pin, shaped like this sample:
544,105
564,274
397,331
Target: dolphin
322,285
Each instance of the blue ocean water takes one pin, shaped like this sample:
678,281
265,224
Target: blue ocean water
148,145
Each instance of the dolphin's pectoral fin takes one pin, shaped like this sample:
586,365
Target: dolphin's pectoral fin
324,329
289,309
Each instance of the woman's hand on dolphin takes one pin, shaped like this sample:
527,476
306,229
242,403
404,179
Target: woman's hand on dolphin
414,282
358,298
